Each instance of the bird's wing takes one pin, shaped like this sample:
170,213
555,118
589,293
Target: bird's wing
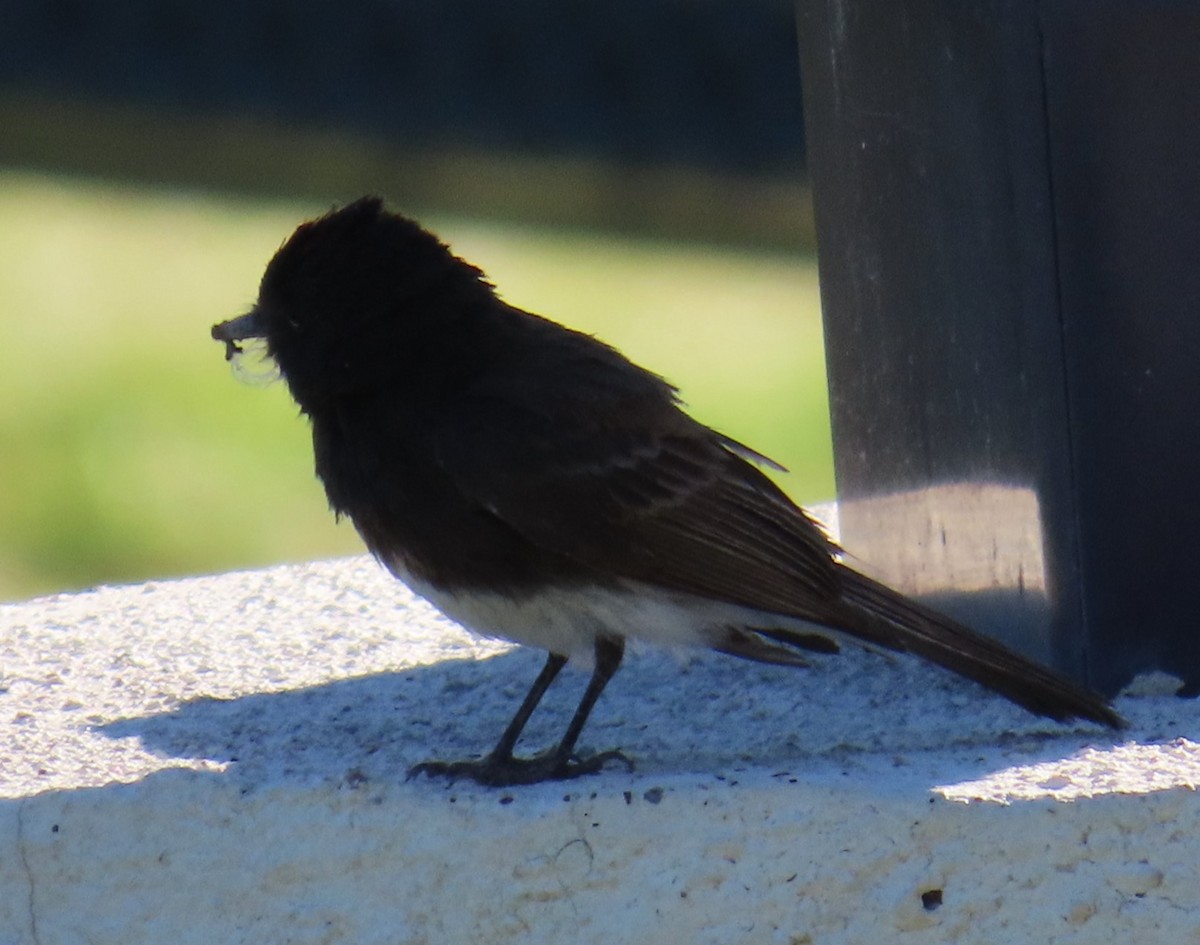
645,493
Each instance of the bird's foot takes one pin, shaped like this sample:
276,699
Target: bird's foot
503,771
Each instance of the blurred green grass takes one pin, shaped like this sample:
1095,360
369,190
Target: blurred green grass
129,452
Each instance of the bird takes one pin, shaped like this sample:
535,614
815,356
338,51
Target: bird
536,485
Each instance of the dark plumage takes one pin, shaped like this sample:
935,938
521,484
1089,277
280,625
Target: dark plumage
536,485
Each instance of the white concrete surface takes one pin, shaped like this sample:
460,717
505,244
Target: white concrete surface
221,760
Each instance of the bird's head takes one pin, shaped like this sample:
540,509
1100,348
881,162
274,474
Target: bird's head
345,301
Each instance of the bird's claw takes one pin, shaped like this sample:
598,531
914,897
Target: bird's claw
494,771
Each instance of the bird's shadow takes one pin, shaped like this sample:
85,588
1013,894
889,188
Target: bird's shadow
700,714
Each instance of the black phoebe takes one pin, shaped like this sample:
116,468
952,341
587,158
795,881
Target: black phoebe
535,485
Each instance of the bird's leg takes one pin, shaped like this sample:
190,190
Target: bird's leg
501,768
609,653
508,741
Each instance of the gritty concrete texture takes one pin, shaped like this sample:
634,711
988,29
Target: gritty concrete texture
222,760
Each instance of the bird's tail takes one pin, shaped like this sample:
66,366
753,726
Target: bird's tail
934,636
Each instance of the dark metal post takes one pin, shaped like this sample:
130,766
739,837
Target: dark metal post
1008,217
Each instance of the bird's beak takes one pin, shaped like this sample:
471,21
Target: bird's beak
231,332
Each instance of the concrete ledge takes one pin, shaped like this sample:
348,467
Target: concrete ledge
221,760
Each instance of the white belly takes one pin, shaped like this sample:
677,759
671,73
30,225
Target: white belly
568,621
